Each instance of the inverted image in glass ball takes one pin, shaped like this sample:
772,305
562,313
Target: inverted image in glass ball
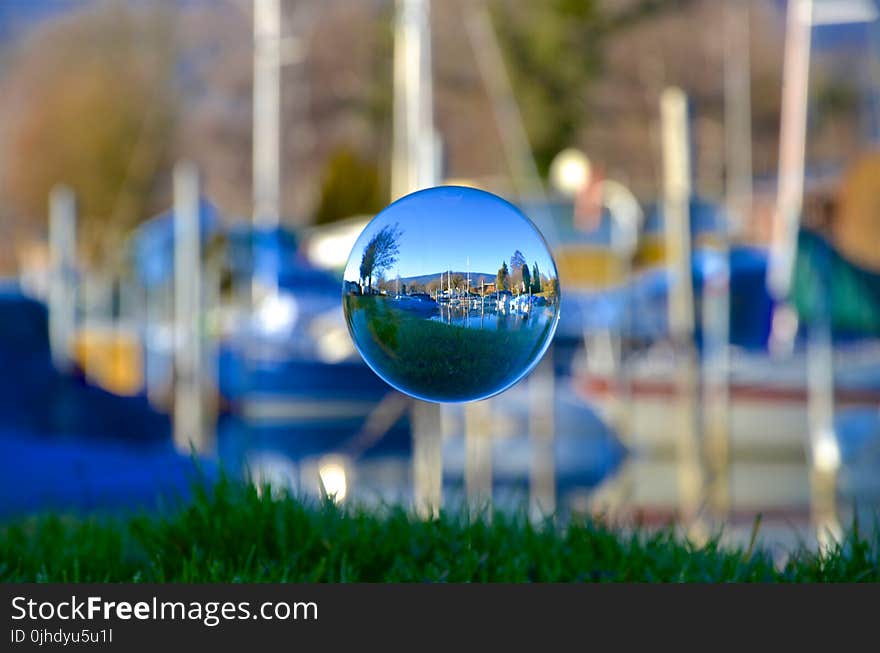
451,294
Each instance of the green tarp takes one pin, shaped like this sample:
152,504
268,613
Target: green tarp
854,292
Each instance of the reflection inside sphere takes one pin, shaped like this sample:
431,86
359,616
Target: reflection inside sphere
451,294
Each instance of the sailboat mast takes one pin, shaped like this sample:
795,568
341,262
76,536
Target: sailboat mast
267,113
414,160
413,166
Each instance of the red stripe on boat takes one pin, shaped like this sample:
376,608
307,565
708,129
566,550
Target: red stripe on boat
597,387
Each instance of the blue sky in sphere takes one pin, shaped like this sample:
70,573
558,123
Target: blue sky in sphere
444,227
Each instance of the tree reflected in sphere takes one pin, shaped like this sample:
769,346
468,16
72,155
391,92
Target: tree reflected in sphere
451,294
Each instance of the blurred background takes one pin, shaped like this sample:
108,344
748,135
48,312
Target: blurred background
181,183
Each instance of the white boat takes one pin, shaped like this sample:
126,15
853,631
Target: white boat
768,396
520,304
768,441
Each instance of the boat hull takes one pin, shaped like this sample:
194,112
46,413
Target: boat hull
768,415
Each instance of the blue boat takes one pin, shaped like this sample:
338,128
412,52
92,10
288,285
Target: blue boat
421,304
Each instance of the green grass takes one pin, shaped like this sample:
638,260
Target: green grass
434,359
234,533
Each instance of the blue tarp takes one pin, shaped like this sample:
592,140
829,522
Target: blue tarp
751,306
82,474
646,296
35,398
65,444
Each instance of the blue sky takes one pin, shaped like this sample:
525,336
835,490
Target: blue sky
445,226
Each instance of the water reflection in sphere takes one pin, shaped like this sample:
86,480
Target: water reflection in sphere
451,294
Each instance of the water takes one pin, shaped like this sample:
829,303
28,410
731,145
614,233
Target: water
492,320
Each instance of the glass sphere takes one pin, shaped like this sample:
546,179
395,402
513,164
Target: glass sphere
451,294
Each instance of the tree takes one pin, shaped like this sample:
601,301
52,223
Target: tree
90,103
350,186
552,91
458,281
502,279
526,278
383,284
368,262
517,260
536,278
532,34
380,253
553,287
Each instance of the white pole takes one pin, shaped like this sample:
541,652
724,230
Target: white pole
737,115
493,72
792,145
676,215
427,458
189,418
428,152
414,162
676,212
823,448
526,182
716,290
542,478
413,166
478,454
267,112
402,175
626,217
824,452
62,288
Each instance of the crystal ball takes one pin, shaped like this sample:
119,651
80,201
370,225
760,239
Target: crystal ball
451,294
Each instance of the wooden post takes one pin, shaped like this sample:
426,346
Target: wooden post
716,289
542,428
676,214
478,454
824,454
190,432
427,458
62,285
